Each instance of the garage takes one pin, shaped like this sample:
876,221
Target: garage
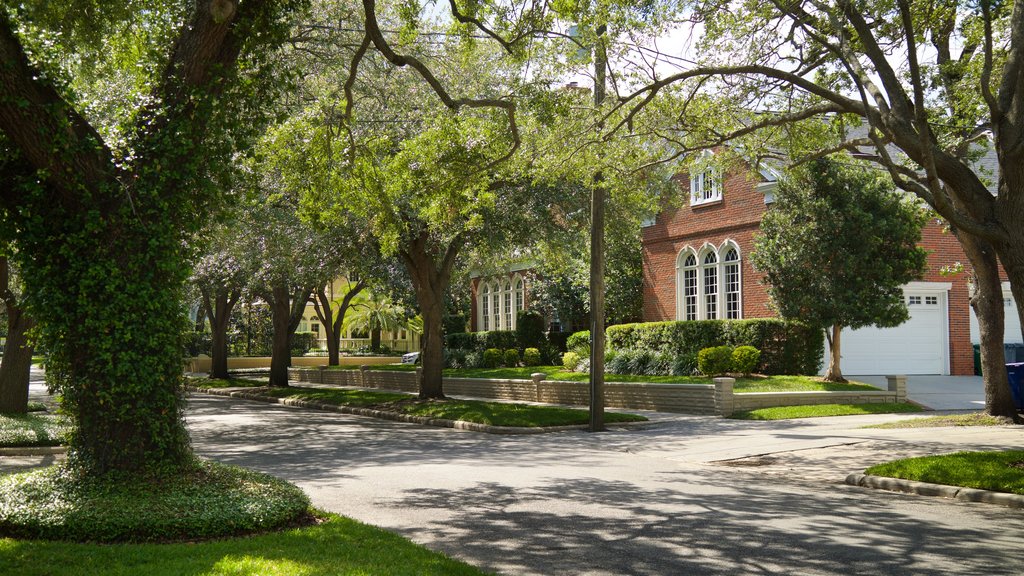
918,346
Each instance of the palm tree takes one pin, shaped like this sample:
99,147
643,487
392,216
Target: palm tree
374,314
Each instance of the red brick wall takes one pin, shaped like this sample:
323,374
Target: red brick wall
737,218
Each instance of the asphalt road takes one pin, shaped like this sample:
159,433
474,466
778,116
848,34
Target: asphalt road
684,495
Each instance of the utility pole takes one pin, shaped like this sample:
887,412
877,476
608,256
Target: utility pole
597,208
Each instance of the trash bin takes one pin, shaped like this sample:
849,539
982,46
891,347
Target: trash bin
1015,374
1013,352
977,360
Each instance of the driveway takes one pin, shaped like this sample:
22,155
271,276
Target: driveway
682,495
939,392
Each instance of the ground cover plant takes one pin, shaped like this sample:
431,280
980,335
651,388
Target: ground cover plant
335,545
815,411
973,419
997,471
477,411
208,500
223,383
33,429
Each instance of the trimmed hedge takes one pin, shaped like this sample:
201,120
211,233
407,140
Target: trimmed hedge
786,347
579,342
529,329
480,341
531,357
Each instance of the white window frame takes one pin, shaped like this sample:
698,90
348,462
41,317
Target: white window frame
485,318
705,183
703,289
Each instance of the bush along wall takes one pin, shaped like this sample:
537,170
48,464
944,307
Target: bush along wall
480,341
786,347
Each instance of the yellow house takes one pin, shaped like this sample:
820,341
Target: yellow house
401,340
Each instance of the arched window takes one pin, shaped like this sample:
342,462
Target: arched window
709,284
731,280
506,296
688,289
485,305
520,297
496,307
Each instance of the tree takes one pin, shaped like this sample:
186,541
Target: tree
221,276
375,313
107,196
836,248
331,308
17,358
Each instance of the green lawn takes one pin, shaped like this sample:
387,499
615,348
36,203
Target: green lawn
974,419
478,411
32,429
815,411
997,471
337,546
221,383
750,384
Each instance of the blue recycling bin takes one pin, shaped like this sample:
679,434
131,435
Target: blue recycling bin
1015,373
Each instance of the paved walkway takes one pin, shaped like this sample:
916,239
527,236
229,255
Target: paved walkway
939,392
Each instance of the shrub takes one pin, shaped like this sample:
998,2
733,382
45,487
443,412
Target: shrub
579,342
493,358
570,360
302,342
714,361
583,365
455,358
745,359
529,329
454,323
197,343
473,359
481,341
786,347
558,341
531,357
511,358
684,364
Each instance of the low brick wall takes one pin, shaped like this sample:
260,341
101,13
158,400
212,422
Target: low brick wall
202,363
717,398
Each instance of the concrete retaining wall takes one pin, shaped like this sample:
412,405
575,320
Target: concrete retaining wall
717,398
202,363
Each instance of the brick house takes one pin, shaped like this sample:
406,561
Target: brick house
696,266
498,298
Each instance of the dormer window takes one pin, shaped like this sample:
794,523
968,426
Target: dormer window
705,182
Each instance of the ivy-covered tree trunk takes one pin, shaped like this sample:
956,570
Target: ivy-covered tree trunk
834,373
218,311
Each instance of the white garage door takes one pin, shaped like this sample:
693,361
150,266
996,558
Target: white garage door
918,346
1012,333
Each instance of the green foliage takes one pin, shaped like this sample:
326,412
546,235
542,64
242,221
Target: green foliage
493,357
559,341
335,545
745,359
838,245
511,358
579,342
531,357
570,360
208,501
786,347
481,341
529,329
303,342
997,471
197,343
32,430
639,362
454,324
714,361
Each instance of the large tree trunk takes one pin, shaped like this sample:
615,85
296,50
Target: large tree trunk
430,276
333,321
17,362
834,373
281,346
219,313
987,301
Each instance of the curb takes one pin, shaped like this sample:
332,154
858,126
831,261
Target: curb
397,417
33,450
941,490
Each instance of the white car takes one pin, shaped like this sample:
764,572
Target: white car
411,358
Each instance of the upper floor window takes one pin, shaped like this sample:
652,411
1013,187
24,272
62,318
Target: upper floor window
705,183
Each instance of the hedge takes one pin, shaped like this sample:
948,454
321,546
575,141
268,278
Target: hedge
480,341
786,347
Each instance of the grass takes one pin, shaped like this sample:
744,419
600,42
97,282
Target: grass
973,419
997,471
478,411
753,383
208,500
338,545
221,383
32,430
815,411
